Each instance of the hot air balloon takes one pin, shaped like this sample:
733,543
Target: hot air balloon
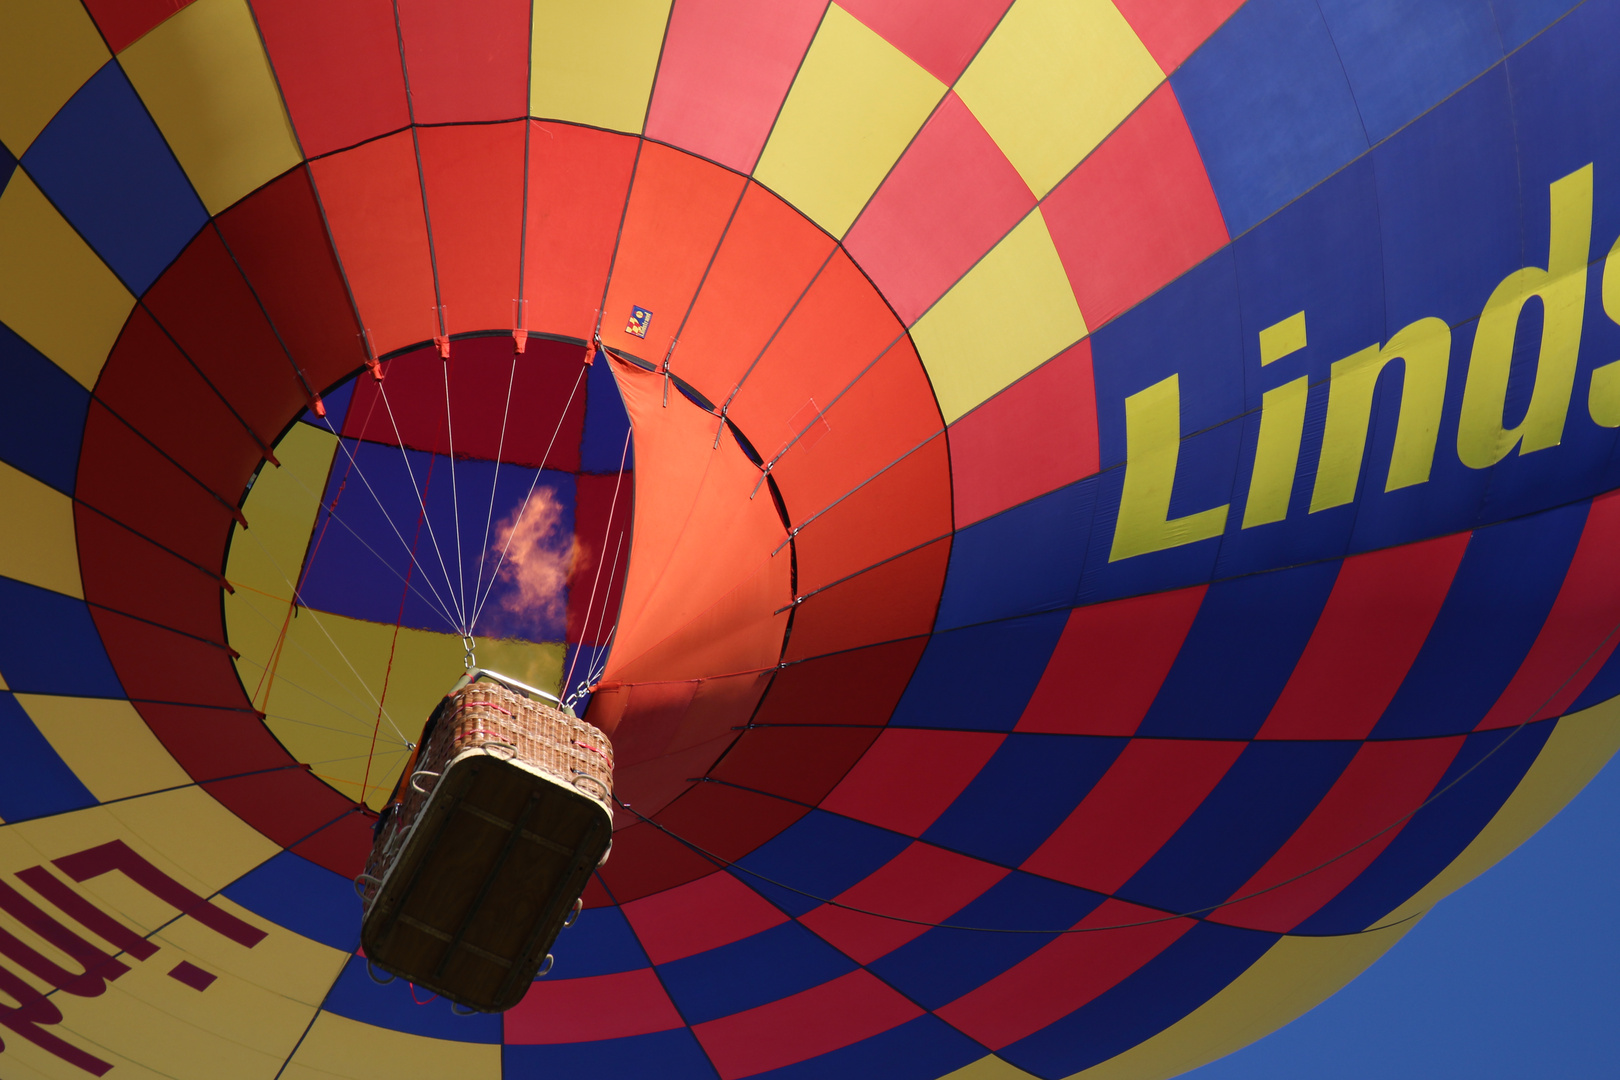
1082,519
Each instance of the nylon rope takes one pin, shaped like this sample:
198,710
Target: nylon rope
460,621
613,506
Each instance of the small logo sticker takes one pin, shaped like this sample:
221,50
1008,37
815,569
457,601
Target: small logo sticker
640,318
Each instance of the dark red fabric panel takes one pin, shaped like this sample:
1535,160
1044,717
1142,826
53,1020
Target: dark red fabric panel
941,35
1172,29
1579,633
474,180
705,914
123,22
910,776
1038,434
124,572
342,846
1370,631
210,743
286,805
338,65
646,861
602,515
591,1009
870,682
466,61
727,821
1356,820
278,238
1150,790
1109,664
155,664
889,602
1137,213
798,763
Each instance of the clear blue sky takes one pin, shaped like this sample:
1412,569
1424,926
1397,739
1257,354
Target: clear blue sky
1515,976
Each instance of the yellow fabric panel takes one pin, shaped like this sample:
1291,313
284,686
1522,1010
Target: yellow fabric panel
282,507
1010,313
106,744
205,78
336,1046
1578,748
1294,976
1053,80
594,63
62,299
988,1068
853,109
48,48
37,539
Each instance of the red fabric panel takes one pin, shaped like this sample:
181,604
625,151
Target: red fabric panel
910,776
1145,796
602,510
343,846
155,664
479,369
1172,29
769,257
124,572
578,178
474,178
798,763
720,108
701,915
646,861
373,203
279,239
123,477
1064,975
894,600
149,384
210,743
870,682
590,1009
123,22
952,172
466,61
1355,821
1109,664
1038,434
1370,631
727,821
941,35
923,882
338,65
1578,635
1136,214
816,1021
679,208
286,805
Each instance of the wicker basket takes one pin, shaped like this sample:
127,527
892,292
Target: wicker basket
480,859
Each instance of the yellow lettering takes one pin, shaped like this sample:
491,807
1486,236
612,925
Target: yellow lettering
1482,439
1152,447
1425,348
1280,339
1604,399
1276,453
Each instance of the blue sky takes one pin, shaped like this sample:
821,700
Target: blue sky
1517,975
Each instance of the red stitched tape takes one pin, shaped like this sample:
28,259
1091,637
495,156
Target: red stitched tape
594,750
489,705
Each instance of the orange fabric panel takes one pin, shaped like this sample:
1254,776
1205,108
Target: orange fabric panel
578,178
898,599
373,204
768,259
679,208
474,179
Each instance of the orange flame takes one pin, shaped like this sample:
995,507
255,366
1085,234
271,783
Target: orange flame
540,554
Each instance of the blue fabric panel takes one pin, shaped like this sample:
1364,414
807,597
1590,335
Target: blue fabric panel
1521,20
822,854
1281,271
765,967
1243,645
357,997
291,891
8,165
1268,105
994,666
41,414
922,1049
1200,964
337,402
34,780
599,943
1505,586
49,645
1266,795
106,167
667,1055
602,446
942,965
579,671
1604,685
1402,58
1021,561
1023,792
1485,772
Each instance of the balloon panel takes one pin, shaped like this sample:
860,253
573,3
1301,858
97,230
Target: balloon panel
1163,497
